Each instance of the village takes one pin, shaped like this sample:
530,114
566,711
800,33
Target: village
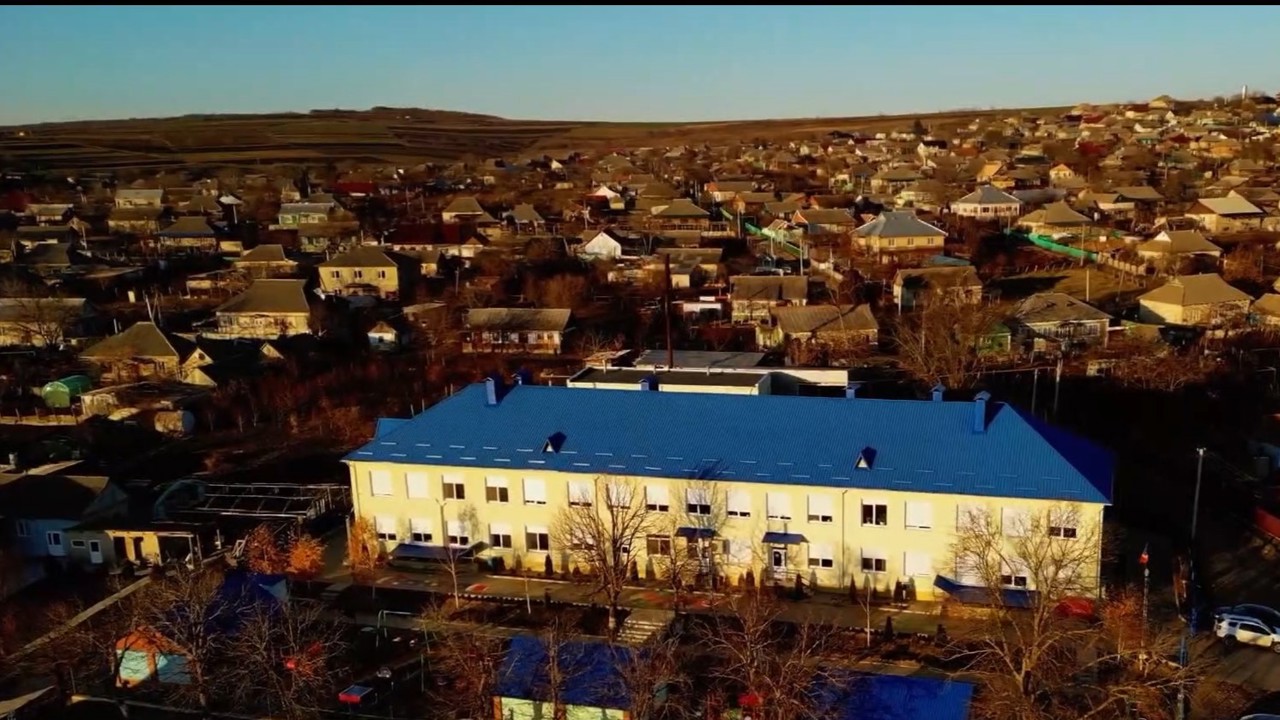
960,418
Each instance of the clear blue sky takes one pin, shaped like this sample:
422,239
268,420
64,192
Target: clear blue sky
620,63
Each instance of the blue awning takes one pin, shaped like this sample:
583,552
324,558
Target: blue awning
439,553
982,595
695,533
781,538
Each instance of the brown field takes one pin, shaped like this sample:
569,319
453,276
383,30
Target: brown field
390,135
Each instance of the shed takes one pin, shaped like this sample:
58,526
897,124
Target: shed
59,393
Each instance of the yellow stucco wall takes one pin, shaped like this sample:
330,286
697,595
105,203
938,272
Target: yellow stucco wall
389,285
844,538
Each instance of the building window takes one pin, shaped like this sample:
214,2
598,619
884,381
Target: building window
454,488
916,563
1015,522
496,491
385,527
972,517
777,506
821,509
580,493
500,536
415,485
537,539
1062,523
658,545
1010,577
380,483
458,535
382,274
22,528
919,515
656,499
357,274
698,501
419,531
874,561
535,491
821,556
77,544
739,504
875,513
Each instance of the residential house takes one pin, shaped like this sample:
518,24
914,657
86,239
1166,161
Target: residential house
190,233
958,284
10,248
606,244
298,214
822,223
50,260
681,215
836,325
752,297
1109,205
1265,311
44,322
1171,246
1060,319
370,271
898,232
857,502
151,198
1230,214
722,191
987,203
1054,219
1205,300
265,261
140,541
266,310
141,352
466,209
894,180
42,503
49,213
206,205
526,219
134,220
1145,199
1061,172
515,330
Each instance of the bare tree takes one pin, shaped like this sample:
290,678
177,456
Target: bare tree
364,553
651,675
39,319
691,555
286,655
189,611
949,341
470,658
1154,365
603,532
776,667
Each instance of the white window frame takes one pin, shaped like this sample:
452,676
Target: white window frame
582,493
777,506
456,534
1064,524
420,531
738,503
535,491
380,484
697,501
821,556
879,511
1015,522
917,563
502,491
497,531
918,515
58,548
22,528
1009,577
879,561
386,528
967,513
657,498
537,538
822,508
454,487
417,485
78,544
662,541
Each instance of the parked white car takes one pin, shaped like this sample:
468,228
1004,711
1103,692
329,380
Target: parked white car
1244,630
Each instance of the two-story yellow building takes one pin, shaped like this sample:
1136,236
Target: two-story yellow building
835,490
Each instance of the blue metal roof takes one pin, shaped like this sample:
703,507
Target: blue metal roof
919,446
591,670
847,695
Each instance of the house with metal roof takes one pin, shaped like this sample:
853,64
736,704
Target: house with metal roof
1059,318
836,490
268,309
1206,300
367,270
1228,214
592,678
893,232
537,331
987,203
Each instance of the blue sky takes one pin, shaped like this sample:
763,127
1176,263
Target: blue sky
620,63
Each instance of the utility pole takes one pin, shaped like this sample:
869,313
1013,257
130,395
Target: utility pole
1057,386
666,309
1035,389
1195,500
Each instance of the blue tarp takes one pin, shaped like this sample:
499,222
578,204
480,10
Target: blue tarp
980,595
439,553
591,672
848,695
781,538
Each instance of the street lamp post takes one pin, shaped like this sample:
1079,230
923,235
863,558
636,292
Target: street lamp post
1195,500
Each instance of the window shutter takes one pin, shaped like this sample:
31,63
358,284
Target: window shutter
739,503
416,485
919,515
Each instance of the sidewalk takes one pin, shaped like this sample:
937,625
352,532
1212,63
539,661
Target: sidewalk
823,607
